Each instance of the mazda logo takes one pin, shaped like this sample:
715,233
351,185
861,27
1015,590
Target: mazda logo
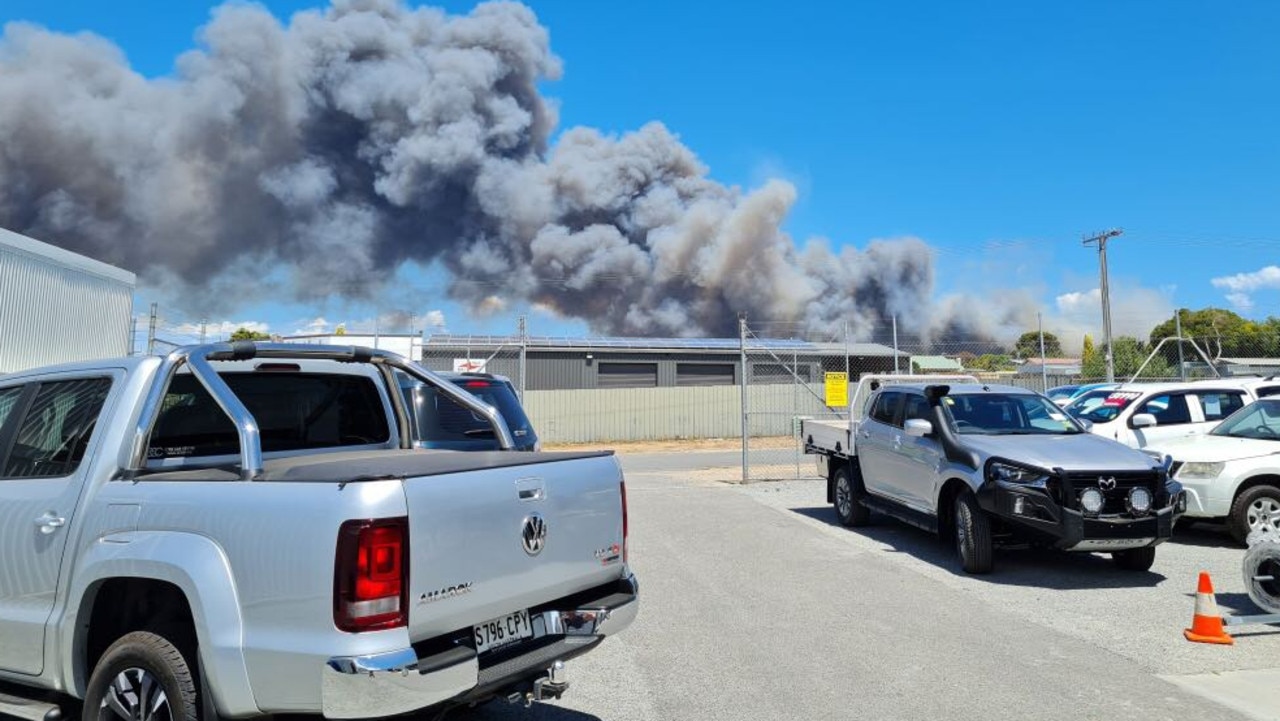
534,534
1107,484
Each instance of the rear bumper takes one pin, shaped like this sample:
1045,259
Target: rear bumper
401,681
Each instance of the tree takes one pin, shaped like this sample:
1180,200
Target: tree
1129,355
1222,332
1093,364
243,333
1028,345
341,329
991,362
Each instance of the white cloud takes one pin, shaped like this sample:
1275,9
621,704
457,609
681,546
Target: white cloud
315,326
434,320
1241,285
221,329
1135,310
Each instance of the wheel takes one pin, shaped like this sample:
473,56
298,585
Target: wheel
1135,559
141,677
848,490
973,535
1262,575
1255,509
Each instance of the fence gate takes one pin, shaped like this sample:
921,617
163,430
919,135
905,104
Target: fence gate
783,382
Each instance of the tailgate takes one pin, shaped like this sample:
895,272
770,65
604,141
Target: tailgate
469,562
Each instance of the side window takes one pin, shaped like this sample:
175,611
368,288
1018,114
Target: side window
1169,409
917,407
8,399
1220,404
886,407
56,429
1267,391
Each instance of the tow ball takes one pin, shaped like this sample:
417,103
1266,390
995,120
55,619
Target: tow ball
545,688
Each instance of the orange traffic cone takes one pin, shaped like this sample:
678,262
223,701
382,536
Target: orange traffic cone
1206,624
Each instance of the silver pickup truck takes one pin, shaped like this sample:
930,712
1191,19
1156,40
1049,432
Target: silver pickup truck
245,529
987,464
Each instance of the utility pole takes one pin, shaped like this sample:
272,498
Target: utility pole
524,353
743,391
1101,240
203,328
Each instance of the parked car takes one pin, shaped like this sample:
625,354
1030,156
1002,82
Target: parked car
239,530
1064,395
1142,414
441,422
976,463
1233,472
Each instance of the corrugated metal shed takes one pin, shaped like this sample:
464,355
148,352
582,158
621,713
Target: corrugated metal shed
590,363
57,306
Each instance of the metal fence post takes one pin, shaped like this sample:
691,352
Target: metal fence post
742,384
524,344
1044,371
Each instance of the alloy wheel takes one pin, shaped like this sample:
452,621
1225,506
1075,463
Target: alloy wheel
135,695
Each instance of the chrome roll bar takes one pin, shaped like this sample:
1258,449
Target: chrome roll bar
198,359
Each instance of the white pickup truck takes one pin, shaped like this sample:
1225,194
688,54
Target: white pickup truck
986,464
245,529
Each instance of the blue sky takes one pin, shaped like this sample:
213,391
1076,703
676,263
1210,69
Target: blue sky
999,132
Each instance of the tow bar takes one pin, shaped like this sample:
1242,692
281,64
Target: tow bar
551,686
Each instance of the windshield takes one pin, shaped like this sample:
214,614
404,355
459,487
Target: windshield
1007,414
1260,419
1102,406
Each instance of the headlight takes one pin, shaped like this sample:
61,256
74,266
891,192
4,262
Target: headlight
1091,500
1200,471
1016,474
1139,500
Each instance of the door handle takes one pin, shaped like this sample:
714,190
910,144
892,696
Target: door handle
531,489
48,523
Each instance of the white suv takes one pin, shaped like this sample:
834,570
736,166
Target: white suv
1140,414
1234,471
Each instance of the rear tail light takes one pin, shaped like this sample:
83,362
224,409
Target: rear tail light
623,488
476,384
371,575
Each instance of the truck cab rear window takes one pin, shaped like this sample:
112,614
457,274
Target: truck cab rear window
295,411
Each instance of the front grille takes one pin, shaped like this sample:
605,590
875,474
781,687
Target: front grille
1115,498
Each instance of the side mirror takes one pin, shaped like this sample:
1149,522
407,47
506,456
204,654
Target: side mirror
918,427
1144,420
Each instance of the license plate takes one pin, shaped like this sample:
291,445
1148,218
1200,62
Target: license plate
502,631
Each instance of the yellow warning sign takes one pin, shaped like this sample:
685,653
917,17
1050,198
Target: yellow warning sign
837,390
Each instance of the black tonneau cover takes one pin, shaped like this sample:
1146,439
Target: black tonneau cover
346,466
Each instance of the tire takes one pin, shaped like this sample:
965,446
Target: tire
1135,559
132,672
1255,509
848,491
1262,575
973,535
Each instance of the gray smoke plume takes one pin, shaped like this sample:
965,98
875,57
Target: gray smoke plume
358,138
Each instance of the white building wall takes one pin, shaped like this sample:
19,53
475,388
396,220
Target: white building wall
57,306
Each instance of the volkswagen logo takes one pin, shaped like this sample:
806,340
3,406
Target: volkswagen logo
1107,484
534,534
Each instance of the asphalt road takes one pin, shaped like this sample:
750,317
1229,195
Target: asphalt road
757,606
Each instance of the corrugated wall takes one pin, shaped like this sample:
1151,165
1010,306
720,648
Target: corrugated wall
54,314
643,414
